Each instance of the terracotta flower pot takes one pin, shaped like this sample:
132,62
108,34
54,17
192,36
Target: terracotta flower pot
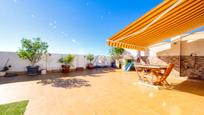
65,68
89,66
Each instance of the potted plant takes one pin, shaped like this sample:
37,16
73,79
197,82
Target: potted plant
66,62
90,58
32,50
116,54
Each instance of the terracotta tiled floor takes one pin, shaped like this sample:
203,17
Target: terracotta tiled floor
102,92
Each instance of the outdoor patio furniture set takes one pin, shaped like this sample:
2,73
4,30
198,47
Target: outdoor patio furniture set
153,75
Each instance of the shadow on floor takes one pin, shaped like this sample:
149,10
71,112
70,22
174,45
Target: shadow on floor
86,73
65,83
190,86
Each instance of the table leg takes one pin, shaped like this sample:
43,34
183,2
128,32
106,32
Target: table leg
140,77
152,77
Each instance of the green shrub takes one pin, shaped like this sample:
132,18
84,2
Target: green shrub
116,53
32,50
67,60
90,57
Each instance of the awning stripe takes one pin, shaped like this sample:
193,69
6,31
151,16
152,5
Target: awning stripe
174,21
146,19
186,16
173,26
124,45
151,23
172,18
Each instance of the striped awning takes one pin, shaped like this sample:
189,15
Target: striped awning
168,19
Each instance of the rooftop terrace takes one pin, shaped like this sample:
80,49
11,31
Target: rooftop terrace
102,92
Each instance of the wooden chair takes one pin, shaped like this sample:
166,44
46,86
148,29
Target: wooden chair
161,77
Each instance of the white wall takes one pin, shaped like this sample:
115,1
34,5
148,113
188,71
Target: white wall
51,63
183,45
193,44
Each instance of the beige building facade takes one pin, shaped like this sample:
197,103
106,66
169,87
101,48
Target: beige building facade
185,51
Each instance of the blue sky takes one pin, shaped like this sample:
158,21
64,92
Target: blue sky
69,26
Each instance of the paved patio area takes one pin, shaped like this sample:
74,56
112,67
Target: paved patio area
102,92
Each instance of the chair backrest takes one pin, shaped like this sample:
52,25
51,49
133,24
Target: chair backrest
169,69
167,72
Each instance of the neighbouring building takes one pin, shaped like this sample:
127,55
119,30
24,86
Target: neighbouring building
185,51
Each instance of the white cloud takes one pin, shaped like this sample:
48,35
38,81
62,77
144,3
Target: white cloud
74,41
53,24
14,1
32,15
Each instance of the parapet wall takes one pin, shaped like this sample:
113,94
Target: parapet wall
50,63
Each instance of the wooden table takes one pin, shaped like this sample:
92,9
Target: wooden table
145,69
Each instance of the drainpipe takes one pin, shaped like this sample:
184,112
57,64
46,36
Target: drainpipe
180,55
138,57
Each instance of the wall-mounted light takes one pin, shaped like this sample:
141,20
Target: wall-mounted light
193,54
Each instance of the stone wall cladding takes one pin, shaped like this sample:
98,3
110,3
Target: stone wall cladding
185,66
192,66
164,60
